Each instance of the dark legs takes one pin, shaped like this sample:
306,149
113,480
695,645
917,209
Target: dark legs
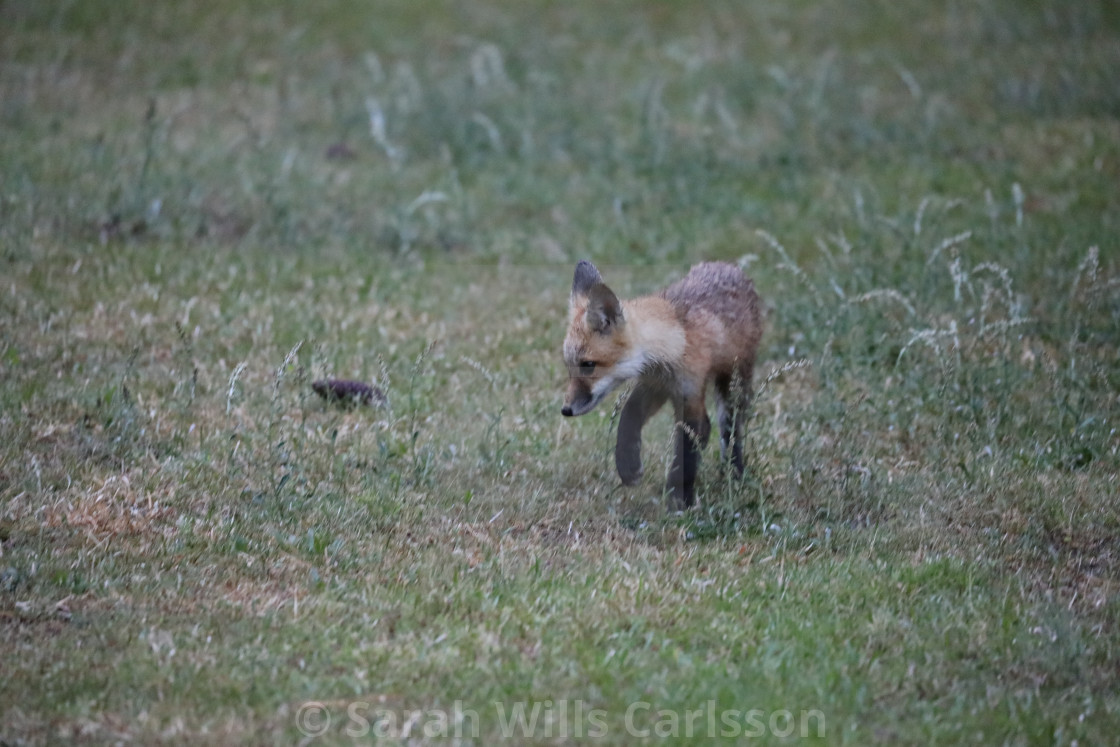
734,399
731,436
692,432
640,407
691,436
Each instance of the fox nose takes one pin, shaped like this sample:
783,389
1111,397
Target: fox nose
566,411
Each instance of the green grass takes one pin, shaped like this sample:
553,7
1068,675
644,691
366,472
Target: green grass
206,206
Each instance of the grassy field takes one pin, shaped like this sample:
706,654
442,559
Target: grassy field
206,206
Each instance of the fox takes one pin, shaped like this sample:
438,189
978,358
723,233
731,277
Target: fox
703,329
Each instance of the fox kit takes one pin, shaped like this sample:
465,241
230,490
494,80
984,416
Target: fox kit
703,328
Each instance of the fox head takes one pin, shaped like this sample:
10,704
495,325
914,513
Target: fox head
597,346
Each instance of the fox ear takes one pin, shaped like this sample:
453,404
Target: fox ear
604,310
586,276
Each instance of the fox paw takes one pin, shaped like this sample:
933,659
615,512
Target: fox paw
678,502
631,474
628,460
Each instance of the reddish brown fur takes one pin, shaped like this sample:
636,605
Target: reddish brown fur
703,328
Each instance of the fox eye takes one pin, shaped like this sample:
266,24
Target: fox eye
586,367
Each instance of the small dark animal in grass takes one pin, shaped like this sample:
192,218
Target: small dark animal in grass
340,152
348,393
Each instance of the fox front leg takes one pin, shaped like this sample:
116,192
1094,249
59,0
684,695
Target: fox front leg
691,437
640,406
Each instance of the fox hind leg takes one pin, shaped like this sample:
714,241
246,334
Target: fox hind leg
730,434
733,395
